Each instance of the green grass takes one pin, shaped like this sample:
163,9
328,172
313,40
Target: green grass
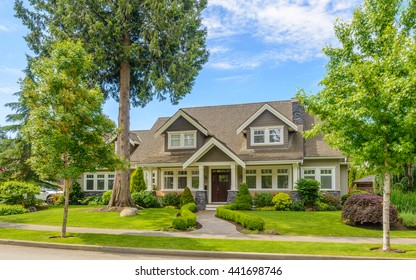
318,224
82,216
221,245
404,201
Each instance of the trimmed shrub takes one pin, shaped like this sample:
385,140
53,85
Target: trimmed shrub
145,199
14,192
297,206
105,198
247,221
137,182
282,202
12,210
180,223
261,200
333,202
366,209
187,218
243,200
170,199
76,195
347,195
90,200
186,197
308,190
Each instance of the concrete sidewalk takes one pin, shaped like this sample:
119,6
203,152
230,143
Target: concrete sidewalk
212,228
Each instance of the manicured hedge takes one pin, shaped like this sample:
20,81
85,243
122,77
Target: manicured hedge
12,210
187,218
247,221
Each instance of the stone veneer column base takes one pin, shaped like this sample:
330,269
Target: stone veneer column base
201,200
231,196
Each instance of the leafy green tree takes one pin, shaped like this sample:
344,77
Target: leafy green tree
142,49
137,182
65,123
367,106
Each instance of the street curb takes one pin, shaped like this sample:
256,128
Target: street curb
183,253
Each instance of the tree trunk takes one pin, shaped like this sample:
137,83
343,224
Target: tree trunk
65,218
386,212
121,188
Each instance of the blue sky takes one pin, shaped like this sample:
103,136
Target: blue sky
261,50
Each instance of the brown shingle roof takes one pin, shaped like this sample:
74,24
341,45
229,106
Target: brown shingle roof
222,122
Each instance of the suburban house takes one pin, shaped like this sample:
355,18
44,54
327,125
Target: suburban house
214,149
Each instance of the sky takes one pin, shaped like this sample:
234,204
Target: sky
260,50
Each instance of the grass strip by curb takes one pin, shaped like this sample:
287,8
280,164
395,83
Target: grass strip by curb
205,244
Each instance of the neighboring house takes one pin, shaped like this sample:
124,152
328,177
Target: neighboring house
365,184
214,149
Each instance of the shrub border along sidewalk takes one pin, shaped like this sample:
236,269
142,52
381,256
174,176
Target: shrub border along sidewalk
247,221
187,218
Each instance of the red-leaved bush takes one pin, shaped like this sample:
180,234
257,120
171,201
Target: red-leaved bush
366,209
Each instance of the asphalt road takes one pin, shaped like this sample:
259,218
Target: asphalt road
12,252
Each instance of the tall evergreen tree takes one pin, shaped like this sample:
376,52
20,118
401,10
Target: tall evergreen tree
367,106
15,149
142,49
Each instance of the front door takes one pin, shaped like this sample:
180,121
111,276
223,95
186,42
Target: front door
221,184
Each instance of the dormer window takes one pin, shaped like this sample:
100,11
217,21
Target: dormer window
261,136
182,140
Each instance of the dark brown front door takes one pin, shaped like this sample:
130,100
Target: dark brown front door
221,183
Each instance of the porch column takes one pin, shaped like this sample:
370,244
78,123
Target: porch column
149,179
201,178
233,178
295,177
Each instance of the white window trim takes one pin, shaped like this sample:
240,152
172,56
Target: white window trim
95,181
182,139
274,177
267,135
318,175
175,171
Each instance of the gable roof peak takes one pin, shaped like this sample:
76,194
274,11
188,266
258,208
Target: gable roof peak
267,107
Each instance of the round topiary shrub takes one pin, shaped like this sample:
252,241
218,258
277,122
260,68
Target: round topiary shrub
366,209
308,190
262,200
186,197
282,202
243,200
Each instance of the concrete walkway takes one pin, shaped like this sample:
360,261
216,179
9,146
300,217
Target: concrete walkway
213,228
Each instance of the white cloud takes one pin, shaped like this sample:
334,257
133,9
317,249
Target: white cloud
4,28
294,30
11,71
8,90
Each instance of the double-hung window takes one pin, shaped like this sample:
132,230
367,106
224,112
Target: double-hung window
266,136
324,175
100,181
268,177
182,140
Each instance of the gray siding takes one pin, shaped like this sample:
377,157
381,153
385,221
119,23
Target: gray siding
215,155
268,119
181,124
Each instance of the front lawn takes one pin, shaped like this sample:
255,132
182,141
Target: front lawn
84,216
319,223
204,244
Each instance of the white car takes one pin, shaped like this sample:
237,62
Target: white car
46,192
